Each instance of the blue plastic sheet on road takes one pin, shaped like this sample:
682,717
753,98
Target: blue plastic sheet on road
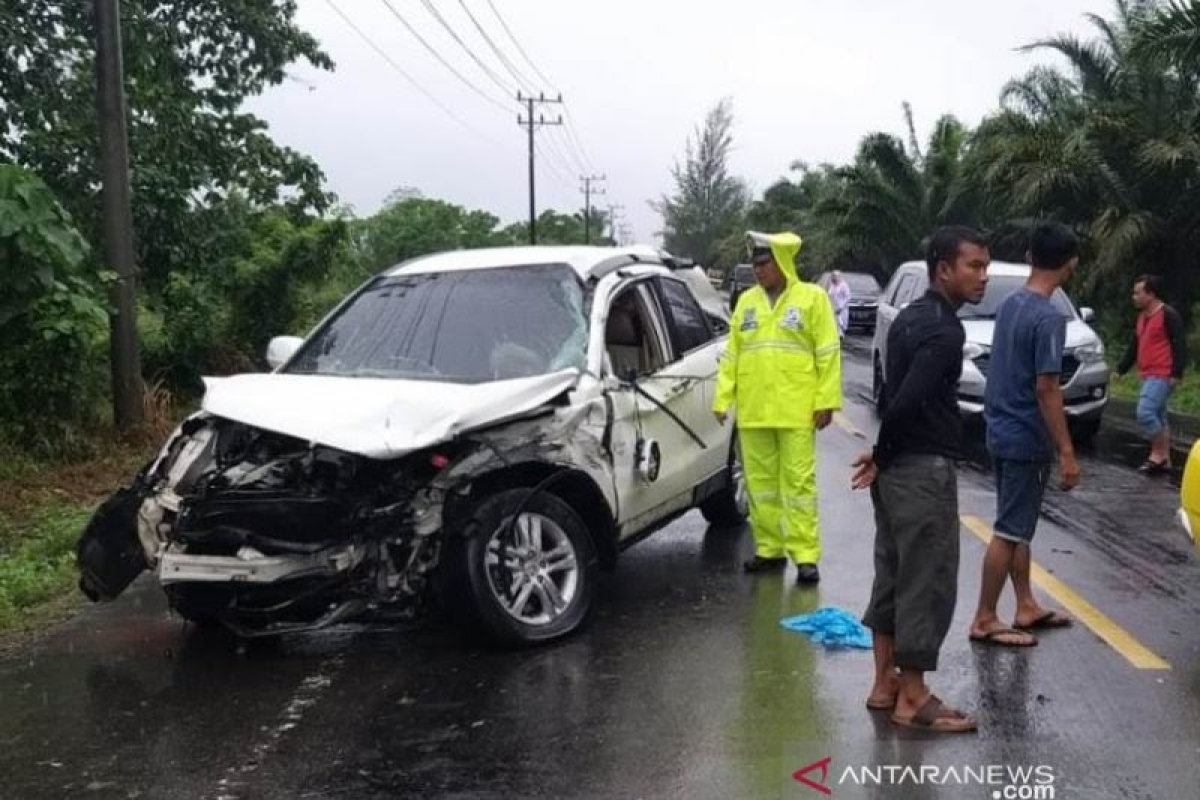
834,628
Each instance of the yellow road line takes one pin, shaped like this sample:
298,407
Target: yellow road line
843,422
1117,637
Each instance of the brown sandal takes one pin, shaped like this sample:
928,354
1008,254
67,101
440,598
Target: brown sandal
937,717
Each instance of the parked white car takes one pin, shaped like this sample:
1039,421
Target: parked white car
496,424
1085,374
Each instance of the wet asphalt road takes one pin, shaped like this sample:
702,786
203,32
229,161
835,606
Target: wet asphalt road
684,685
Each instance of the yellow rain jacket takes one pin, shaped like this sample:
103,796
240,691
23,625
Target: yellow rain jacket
782,363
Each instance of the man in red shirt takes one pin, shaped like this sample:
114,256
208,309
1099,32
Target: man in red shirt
1159,347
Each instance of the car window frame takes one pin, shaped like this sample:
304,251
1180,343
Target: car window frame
647,300
668,316
906,281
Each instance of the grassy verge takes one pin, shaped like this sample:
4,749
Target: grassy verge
1185,399
44,507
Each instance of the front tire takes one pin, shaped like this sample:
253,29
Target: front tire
525,581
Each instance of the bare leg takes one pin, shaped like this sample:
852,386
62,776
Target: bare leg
1160,446
887,683
998,564
1027,605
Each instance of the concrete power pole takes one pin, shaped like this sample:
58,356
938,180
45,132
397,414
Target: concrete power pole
588,191
117,215
613,210
531,124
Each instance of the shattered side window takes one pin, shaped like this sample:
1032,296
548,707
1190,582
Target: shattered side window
472,326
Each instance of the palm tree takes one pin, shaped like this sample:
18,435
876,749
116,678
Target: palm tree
1110,144
894,194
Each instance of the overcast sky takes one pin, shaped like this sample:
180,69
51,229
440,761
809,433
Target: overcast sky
808,78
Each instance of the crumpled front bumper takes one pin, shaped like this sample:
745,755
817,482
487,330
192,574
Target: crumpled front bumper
251,567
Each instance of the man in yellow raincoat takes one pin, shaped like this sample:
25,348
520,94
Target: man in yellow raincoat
782,375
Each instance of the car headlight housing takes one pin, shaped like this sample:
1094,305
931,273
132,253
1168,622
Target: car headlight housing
1090,353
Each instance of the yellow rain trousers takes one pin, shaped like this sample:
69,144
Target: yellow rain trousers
783,363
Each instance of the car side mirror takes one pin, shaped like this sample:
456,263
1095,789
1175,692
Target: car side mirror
1086,314
282,348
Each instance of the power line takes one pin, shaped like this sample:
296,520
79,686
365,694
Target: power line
474,57
508,65
574,162
520,49
586,161
559,159
413,81
570,129
433,51
570,124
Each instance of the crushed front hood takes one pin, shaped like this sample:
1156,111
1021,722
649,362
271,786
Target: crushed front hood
372,417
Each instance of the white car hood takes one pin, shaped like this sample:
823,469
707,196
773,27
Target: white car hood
980,331
373,417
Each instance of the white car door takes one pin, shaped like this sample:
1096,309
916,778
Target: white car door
698,349
653,453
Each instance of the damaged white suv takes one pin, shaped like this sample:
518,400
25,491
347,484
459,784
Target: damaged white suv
487,427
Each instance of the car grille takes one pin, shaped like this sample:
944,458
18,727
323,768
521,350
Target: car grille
1070,365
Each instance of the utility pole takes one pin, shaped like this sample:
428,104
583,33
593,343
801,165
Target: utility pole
588,191
117,215
531,124
613,210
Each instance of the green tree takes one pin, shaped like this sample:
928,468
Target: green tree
414,226
894,194
708,202
1109,144
792,204
52,318
189,68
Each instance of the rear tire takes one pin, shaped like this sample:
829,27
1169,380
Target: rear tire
525,583
729,507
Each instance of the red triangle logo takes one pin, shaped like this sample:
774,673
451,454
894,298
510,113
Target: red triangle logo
823,765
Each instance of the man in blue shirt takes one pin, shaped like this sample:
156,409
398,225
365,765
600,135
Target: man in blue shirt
1023,406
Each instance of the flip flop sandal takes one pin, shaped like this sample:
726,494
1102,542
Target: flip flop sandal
887,705
937,717
1047,621
1149,467
992,638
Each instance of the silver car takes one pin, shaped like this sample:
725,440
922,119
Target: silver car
1085,374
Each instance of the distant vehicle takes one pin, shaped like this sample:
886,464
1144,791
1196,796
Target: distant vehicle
741,279
1084,375
864,298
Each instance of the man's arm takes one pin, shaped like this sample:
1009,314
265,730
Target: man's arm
1049,339
1178,339
1050,403
727,374
827,347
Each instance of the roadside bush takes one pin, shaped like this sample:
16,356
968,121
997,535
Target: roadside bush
53,321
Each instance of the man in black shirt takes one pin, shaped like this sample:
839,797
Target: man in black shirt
914,487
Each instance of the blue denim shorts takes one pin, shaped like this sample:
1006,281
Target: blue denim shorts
1020,486
1152,405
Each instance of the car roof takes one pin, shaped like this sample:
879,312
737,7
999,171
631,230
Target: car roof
587,262
1003,269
